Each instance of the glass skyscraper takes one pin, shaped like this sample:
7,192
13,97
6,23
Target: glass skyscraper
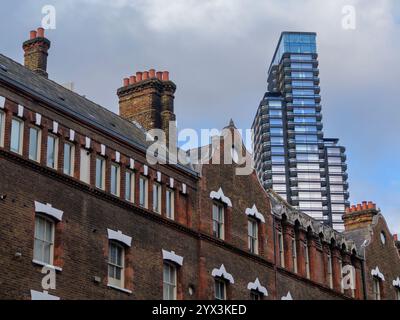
292,157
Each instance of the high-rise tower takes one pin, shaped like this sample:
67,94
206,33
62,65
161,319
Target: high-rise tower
291,154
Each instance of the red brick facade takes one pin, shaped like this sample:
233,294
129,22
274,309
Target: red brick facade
93,219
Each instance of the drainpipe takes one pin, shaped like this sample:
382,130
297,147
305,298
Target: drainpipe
364,280
275,261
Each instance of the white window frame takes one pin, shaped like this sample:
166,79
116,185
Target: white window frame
51,136
2,127
35,157
71,159
85,162
170,203
117,182
20,135
252,235
119,283
144,192
171,283
218,220
157,192
307,259
130,196
281,247
376,287
294,254
330,269
100,181
219,282
39,217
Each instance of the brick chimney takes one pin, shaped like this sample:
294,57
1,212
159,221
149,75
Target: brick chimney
360,216
36,52
148,98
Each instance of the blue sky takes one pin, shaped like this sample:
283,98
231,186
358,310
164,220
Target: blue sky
218,52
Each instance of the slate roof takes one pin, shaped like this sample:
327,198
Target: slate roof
73,104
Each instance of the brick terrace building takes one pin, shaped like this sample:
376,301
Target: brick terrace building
78,196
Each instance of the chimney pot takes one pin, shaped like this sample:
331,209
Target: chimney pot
159,75
371,205
365,205
145,75
359,207
152,73
126,82
33,34
132,79
395,237
165,76
139,76
40,32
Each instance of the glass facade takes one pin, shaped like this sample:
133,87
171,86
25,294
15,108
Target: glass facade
291,154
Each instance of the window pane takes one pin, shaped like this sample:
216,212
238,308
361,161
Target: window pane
51,151
68,158
143,192
170,204
114,179
2,128
156,197
99,173
34,144
16,136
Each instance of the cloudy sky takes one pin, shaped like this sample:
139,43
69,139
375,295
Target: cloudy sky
218,52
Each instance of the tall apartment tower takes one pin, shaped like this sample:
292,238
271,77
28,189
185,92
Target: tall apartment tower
292,157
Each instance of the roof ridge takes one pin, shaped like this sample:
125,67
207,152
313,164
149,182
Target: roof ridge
66,89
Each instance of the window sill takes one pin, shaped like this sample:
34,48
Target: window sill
119,289
43,264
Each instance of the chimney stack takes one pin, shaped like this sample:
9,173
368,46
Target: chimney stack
360,215
148,98
36,52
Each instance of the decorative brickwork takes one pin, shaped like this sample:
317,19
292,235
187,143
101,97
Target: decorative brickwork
148,99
